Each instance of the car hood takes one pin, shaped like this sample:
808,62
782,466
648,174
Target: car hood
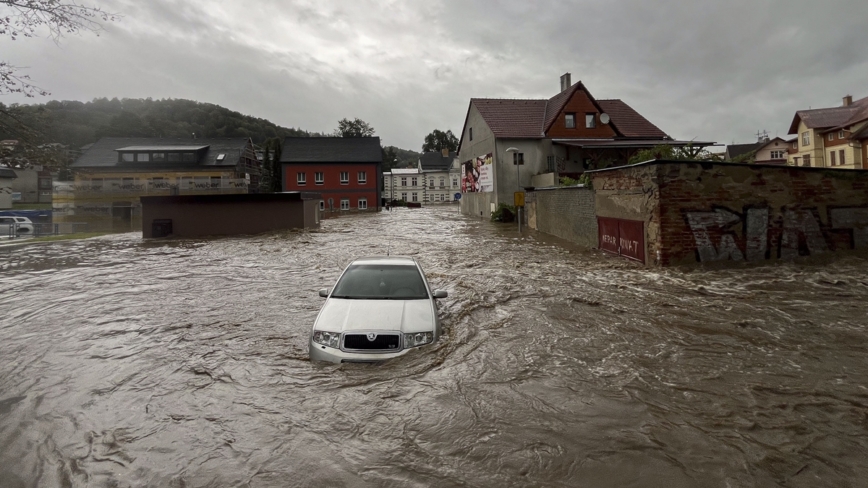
342,315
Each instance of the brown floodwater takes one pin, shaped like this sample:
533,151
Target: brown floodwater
184,363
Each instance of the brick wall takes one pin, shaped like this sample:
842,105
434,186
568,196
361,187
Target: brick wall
701,212
568,213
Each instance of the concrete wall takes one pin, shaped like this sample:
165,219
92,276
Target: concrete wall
209,215
544,180
702,212
477,204
568,213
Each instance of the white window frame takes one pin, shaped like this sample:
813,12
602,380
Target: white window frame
777,154
414,181
806,138
301,178
363,177
363,203
403,181
414,196
345,203
404,196
840,134
319,178
345,177
570,121
590,121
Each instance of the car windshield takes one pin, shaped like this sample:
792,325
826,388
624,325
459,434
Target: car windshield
381,282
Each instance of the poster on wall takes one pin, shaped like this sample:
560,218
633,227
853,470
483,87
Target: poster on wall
478,175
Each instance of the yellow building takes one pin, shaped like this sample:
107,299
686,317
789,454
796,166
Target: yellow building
111,175
831,137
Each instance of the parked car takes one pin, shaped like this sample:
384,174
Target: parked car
15,226
380,308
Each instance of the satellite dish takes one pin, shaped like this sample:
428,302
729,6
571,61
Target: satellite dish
604,118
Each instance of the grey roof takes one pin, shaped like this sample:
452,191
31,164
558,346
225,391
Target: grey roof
161,148
7,173
104,152
735,150
836,117
436,160
331,150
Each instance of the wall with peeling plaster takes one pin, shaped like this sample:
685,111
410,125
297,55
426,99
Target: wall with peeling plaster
703,212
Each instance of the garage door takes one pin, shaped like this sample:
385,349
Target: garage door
622,237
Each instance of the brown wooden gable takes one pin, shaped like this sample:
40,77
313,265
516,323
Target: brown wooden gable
579,103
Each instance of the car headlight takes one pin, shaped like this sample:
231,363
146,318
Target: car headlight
418,339
330,339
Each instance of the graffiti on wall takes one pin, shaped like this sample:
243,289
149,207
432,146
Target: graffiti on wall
799,231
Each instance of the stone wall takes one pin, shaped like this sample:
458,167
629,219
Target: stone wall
568,213
702,212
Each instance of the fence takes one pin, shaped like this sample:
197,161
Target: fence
43,229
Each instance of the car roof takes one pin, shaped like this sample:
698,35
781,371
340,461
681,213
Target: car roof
387,260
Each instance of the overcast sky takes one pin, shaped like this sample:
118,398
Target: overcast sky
711,70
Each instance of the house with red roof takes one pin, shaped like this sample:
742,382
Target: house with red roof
831,137
508,144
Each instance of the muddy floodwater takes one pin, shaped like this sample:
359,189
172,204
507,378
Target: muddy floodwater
183,363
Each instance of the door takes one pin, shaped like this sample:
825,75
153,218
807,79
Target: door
622,237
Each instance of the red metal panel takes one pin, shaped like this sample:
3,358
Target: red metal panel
631,239
608,234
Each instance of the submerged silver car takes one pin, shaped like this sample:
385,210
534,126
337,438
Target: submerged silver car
379,309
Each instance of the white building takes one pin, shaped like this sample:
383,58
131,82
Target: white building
441,173
405,184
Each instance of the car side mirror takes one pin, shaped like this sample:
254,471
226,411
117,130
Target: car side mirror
440,294
324,293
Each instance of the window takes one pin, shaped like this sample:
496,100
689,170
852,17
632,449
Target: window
363,177
322,205
442,182
832,158
188,157
454,182
345,204
550,164
128,157
840,134
143,157
777,155
414,182
806,160
795,145
470,133
431,183
45,183
363,203
404,196
831,136
174,157
318,178
806,138
158,157
221,157
570,121
403,181
842,159
415,197
345,179
301,178
517,158
590,121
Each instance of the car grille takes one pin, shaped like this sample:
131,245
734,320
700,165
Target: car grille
383,342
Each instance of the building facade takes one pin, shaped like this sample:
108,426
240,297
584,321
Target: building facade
831,137
441,174
508,144
346,170
113,174
404,184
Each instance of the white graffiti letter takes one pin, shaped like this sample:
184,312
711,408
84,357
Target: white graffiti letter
852,218
801,222
700,222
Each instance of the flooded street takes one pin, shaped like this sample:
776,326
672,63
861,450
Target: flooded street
183,363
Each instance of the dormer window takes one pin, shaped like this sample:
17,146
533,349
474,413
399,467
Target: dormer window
590,121
143,157
128,157
158,157
221,157
570,121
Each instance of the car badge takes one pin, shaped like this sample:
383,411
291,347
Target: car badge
371,336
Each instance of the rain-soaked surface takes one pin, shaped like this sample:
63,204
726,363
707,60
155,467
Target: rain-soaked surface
184,363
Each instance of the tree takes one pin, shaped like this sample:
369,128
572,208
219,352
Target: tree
354,128
276,173
439,140
665,151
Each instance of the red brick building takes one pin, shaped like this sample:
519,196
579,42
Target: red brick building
345,170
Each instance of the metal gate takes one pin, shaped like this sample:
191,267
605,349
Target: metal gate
622,237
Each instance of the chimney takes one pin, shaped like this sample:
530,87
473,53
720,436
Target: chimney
848,100
444,152
565,82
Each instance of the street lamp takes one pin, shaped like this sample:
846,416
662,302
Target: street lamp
516,162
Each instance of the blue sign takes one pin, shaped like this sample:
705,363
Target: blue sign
458,196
